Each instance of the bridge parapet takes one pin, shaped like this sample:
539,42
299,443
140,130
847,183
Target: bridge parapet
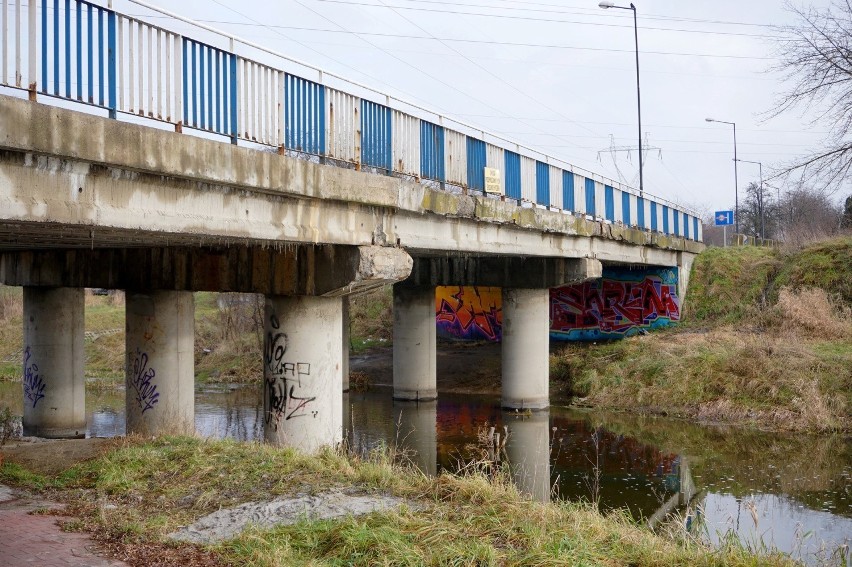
216,84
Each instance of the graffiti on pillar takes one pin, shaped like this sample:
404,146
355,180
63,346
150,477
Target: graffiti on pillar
467,312
33,383
619,304
146,393
284,396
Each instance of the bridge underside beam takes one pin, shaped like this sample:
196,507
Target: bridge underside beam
500,271
323,270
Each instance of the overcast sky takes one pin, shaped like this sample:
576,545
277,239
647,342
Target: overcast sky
560,75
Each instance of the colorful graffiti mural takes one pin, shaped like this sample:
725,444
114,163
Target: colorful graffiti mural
621,303
469,313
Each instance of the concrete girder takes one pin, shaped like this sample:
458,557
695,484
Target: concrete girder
291,270
502,271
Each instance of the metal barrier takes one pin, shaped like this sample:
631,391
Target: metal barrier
90,54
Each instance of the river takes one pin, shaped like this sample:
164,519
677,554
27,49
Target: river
793,492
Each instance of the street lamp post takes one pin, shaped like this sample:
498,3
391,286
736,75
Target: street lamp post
606,5
736,183
760,195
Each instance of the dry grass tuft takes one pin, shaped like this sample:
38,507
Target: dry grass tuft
814,311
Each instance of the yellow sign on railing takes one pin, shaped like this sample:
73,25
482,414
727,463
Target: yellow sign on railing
492,181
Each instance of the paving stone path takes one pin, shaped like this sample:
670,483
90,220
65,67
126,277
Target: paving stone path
35,539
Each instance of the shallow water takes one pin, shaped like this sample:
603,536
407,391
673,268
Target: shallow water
793,492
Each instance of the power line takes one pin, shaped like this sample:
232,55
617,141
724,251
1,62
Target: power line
273,27
597,11
534,19
582,11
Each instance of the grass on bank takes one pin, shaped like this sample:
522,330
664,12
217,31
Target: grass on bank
228,333
138,492
760,342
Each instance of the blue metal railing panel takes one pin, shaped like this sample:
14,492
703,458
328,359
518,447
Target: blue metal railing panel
609,204
654,216
432,151
304,115
86,42
476,159
376,143
512,162
542,183
568,191
207,70
590,197
83,42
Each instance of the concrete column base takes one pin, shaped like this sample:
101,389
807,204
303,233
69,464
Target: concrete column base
160,351
414,376
526,348
54,383
303,399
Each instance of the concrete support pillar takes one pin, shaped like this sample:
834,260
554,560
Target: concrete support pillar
416,431
303,383
54,384
684,269
160,388
525,349
528,451
414,343
345,342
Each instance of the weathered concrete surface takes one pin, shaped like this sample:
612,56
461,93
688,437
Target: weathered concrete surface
496,271
229,523
160,363
284,270
101,183
302,371
525,351
414,345
53,381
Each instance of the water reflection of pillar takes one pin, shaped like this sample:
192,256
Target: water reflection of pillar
528,451
344,365
348,429
416,432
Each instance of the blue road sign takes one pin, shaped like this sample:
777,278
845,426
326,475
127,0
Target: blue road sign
724,218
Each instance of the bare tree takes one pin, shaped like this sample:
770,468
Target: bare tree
816,58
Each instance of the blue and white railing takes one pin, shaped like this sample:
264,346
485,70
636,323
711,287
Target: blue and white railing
93,55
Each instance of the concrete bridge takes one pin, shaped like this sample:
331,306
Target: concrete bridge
299,206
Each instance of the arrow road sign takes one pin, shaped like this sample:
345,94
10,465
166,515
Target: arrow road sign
724,218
